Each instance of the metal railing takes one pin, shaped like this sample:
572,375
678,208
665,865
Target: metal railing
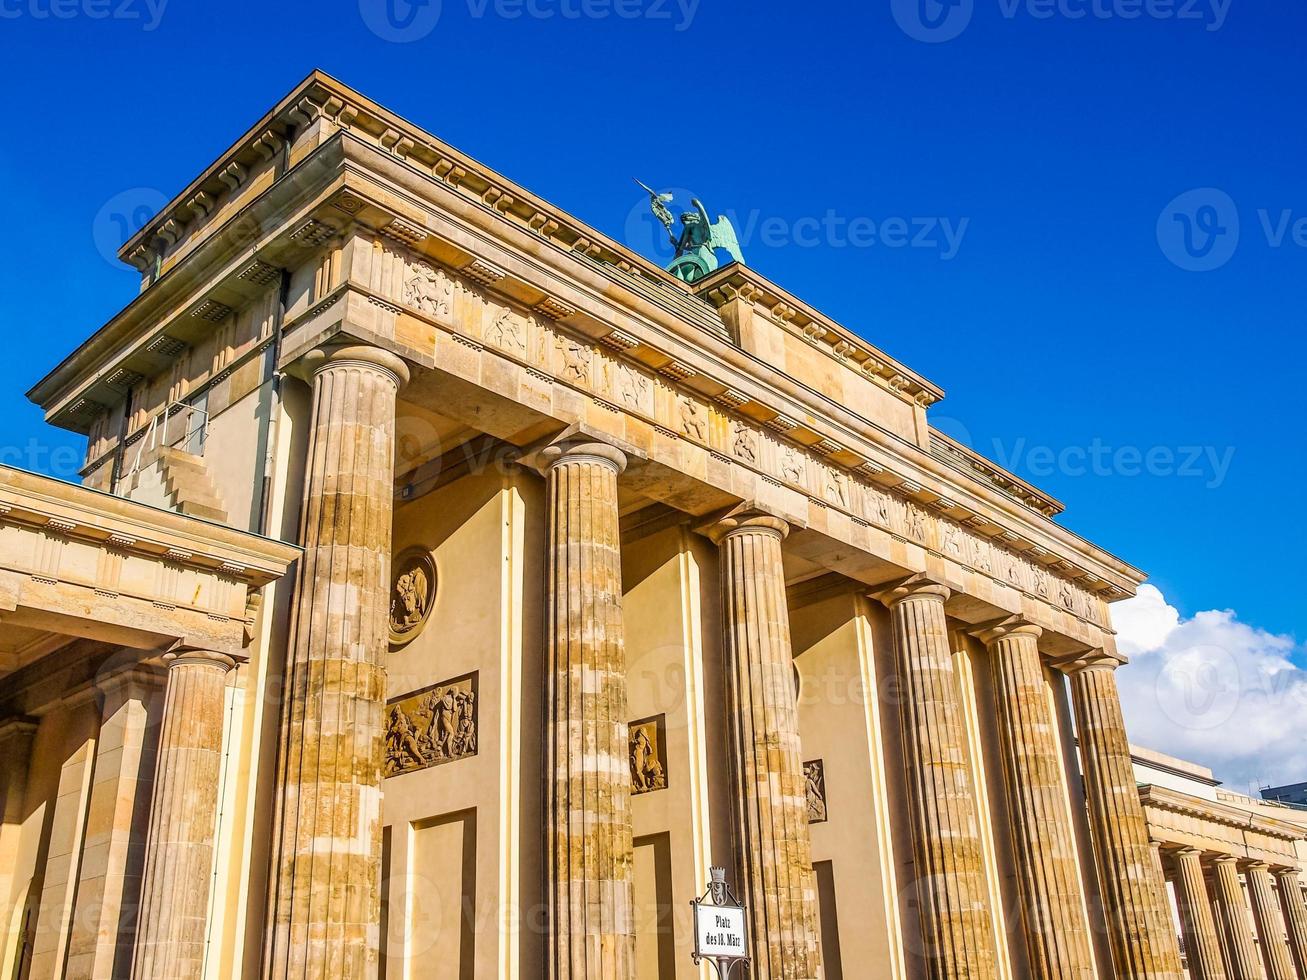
163,432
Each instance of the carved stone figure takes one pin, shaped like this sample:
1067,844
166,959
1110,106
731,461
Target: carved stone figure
744,441
916,523
412,594
814,777
835,489
792,465
692,420
429,290
576,359
434,725
508,331
631,384
647,771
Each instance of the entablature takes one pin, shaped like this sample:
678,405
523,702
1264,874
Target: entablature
81,563
1181,820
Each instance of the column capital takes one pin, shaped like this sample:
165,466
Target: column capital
748,516
1091,660
578,442
1225,859
991,633
335,355
207,658
914,587
1257,866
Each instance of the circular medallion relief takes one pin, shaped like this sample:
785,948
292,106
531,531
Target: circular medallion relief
412,594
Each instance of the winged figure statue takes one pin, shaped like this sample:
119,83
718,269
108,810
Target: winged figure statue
700,237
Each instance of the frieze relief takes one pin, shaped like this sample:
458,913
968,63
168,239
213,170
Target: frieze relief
541,344
435,725
648,757
814,780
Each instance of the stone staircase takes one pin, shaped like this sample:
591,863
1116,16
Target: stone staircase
188,486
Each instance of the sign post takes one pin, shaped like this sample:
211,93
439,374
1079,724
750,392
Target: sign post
721,927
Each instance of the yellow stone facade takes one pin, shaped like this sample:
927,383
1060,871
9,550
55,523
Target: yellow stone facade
450,588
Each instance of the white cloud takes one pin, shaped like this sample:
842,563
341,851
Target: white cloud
1213,690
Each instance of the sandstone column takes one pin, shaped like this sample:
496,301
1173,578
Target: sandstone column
956,926
1240,949
1270,923
1135,905
1043,845
183,817
592,935
325,893
773,849
1295,916
1202,943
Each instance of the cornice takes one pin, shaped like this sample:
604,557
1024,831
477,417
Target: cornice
80,512
735,281
1230,816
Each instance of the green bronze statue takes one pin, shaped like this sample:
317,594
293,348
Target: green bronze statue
696,246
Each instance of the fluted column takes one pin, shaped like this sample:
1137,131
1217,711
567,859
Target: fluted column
1270,923
183,815
952,898
325,903
1295,916
1043,845
1135,905
592,934
773,848
1202,943
1241,950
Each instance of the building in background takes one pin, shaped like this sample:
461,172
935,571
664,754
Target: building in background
1293,793
1233,866
452,587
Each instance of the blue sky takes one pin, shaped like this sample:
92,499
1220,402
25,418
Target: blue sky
1035,159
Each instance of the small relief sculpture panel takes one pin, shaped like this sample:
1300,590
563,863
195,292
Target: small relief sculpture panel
981,557
814,777
952,540
508,331
412,594
692,417
1043,581
648,755
429,289
577,358
631,387
432,726
834,488
1066,595
916,522
744,441
792,465
878,507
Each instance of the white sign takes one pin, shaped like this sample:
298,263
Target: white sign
720,931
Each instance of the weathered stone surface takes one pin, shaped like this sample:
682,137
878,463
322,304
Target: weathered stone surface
1056,930
325,906
588,779
1295,916
170,939
769,790
1241,959
1270,924
953,902
1134,895
1202,942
